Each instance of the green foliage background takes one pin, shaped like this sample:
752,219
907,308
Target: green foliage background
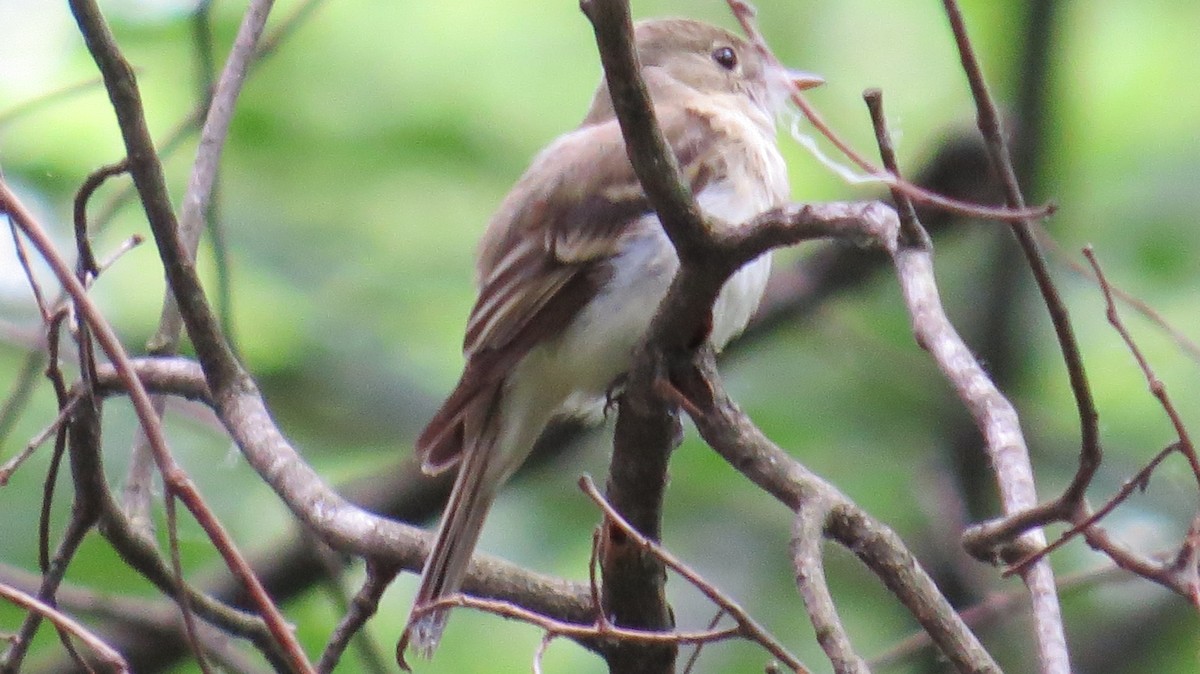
369,151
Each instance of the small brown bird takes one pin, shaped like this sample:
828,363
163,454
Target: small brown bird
573,266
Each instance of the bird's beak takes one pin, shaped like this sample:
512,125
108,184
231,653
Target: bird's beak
803,81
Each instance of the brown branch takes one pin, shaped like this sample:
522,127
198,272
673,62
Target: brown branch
84,428
193,120
690,665
1157,389
107,655
997,145
655,166
633,594
23,258
809,566
1016,479
237,400
747,626
81,519
46,99
9,467
190,631
998,605
692,292
362,607
725,427
173,475
1161,573
197,201
21,392
1183,579
347,527
87,259
142,555
147,618
197,198
578,632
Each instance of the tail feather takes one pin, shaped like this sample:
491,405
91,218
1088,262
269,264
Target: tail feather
472,496
497,427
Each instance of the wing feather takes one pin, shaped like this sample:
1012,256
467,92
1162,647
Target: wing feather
583,195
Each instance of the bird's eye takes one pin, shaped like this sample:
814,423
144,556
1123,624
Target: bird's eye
726,57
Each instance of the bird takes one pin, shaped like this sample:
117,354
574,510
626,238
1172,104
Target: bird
574,263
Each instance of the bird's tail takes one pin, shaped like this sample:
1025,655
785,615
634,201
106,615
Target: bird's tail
474,490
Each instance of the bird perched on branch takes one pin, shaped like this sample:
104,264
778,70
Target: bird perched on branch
574,264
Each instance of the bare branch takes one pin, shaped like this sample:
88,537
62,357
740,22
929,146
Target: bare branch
808,563
172,474
747,626
362,607
1016,476
34,287
64,622
1157,389
87,259
197,198
578,632
9,467
725,427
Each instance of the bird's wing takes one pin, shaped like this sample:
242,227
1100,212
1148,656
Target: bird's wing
545,255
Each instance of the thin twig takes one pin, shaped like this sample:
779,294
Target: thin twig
1136,483
361,608
46,99
138,615
1186,343
202,183
1016,478
731,433
107,655
190,633
914,235
61,395
745,13
580,633
172,473
21,393
1157,388
23,258
997,605
87,259
11,466
747,626
191,123
695,656
53,571
194,212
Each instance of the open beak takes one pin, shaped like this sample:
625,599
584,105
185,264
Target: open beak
804,81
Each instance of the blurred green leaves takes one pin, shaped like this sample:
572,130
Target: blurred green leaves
368,153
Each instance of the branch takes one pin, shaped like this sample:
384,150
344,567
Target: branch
706,261
726,428
748,627
172,474
808,563
195,208
64,622
633,594
1016,475
197,198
